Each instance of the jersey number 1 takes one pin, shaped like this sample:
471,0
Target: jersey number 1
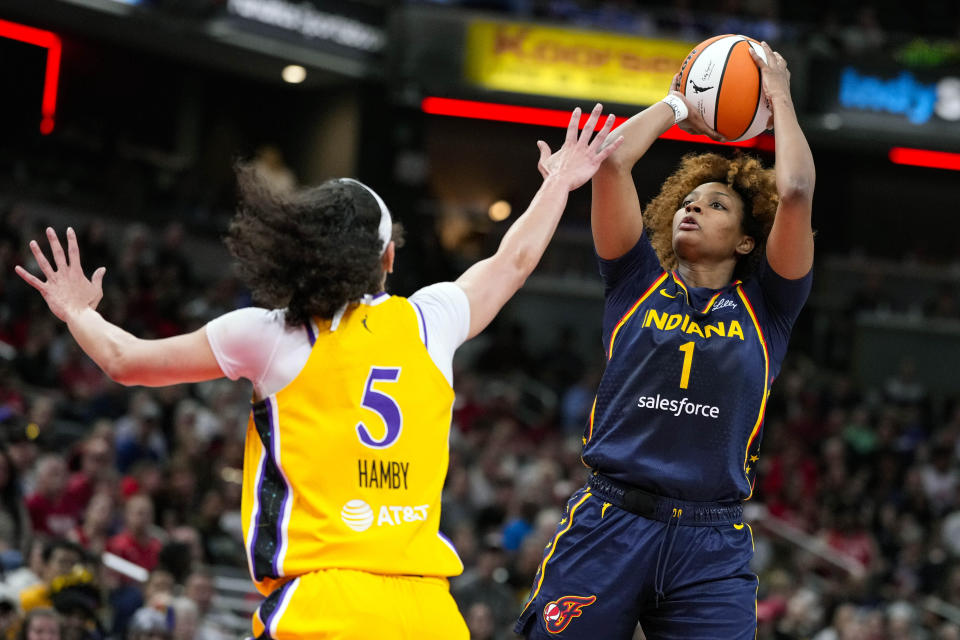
384,406
687,349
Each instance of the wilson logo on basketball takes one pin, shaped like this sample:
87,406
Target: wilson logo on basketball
559,613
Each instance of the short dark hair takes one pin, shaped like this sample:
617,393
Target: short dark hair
310,250
61,543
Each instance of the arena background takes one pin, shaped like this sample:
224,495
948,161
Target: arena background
123,119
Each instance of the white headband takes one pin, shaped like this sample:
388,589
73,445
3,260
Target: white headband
386,222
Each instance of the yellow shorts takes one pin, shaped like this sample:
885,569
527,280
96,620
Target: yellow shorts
342,604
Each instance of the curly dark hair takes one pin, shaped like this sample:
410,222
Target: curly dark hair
311,250
756,186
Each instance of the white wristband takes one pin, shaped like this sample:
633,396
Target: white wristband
679,107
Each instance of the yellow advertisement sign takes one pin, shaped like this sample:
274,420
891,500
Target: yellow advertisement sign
571,63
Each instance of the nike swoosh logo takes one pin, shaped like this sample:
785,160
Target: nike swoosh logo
664,293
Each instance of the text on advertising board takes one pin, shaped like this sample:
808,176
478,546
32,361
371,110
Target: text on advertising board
571,63
903,95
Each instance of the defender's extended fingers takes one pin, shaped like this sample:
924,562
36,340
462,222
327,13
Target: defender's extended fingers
544,150
573,126
59,258
29,278
604,132
591,123
97,278
610,148
41,259
73,251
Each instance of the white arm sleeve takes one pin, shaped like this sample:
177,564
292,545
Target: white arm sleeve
444,310
257,344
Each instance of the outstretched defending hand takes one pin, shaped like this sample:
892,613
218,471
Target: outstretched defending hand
66,290
579,158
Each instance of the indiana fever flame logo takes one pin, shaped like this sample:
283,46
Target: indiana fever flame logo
558,614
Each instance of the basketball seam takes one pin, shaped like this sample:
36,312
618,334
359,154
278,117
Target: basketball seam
723,71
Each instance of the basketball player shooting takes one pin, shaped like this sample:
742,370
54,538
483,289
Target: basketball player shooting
702,289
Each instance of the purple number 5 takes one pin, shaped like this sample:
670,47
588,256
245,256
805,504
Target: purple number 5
384,406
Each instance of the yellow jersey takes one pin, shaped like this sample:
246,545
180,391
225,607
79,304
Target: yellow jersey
344,466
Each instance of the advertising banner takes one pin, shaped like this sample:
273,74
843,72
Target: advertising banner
887,98
571,63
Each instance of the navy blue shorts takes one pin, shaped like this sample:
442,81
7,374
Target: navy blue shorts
679,575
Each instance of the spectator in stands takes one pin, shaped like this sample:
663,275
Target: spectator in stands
149,624
213,623
59,558
23,451
219,546
98,522
940,478
41,624
481,621
185,619
76,597
905,388
485,583
145,477
139,436
136,541
53,511
178,500
96,471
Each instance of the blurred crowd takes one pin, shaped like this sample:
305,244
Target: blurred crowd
115,503
854,28
120,507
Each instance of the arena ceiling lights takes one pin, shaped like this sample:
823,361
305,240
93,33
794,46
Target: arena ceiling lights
51,42
557,118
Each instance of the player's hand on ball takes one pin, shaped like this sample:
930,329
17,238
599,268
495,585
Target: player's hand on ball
579,157
66,290
774,76
694,123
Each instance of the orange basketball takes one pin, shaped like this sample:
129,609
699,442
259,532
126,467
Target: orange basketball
721,81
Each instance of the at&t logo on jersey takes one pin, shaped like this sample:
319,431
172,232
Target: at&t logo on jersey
559,613
359,516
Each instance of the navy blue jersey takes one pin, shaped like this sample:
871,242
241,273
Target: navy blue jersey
679,410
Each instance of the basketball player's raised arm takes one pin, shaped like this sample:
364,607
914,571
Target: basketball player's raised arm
127,359
615,214
790,244
491,282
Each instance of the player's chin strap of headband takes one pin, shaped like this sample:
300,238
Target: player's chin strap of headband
386,221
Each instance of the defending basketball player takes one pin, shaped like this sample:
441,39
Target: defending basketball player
346,448
702,289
